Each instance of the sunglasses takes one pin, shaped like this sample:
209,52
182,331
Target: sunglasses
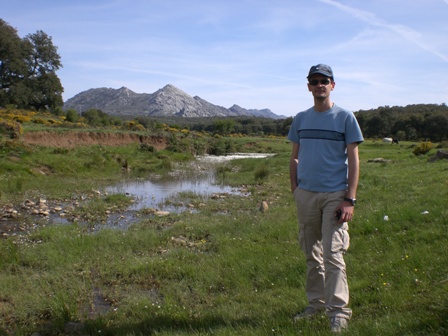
315,82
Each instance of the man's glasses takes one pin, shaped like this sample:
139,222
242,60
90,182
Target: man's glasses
315,82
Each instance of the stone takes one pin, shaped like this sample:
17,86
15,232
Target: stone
161,213
264,207
442,154
378,160
74,328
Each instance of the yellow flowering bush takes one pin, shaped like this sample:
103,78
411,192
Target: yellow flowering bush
423,148
10,129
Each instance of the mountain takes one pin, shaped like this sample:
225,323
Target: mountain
166,102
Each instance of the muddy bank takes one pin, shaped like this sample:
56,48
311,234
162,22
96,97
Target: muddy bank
71,139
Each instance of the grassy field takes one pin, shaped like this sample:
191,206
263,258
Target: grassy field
228,269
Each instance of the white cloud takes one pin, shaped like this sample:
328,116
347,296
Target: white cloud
404,31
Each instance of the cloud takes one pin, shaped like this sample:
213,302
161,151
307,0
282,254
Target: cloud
401,30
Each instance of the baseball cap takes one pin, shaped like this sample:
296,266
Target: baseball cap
322,69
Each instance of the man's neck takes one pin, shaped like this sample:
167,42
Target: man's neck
322,105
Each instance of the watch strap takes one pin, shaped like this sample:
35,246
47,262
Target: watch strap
352,201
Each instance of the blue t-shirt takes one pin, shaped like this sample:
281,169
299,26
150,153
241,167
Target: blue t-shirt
323,138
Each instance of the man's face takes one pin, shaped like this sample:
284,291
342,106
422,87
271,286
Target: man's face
320,86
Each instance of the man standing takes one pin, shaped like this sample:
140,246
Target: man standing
324,173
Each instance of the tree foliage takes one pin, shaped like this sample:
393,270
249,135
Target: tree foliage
28,70
96,117
411,122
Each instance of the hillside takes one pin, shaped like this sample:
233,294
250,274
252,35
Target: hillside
166,102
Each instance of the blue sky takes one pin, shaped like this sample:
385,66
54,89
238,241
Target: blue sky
253,53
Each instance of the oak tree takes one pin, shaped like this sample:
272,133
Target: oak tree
28,70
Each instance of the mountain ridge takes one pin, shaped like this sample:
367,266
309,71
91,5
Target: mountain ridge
168,101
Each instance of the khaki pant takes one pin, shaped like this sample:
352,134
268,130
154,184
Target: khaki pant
324,242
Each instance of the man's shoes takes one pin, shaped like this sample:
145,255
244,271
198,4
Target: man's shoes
338,324
307,313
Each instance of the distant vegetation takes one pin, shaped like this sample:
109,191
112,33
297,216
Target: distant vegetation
413,122
424,122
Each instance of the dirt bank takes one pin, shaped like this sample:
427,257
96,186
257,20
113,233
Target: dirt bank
72,139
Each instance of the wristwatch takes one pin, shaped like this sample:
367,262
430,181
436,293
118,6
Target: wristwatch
352,201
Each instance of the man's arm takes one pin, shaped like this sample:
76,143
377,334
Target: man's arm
353,176
353,169
293,163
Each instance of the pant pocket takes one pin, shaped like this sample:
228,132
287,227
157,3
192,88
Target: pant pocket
340,241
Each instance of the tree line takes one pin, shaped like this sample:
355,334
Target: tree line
411,122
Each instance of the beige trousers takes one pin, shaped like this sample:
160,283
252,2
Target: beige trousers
324,243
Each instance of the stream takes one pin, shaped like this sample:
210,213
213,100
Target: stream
160,195
197,178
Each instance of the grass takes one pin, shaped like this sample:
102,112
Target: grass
230,269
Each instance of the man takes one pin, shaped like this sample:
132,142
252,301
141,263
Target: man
324,173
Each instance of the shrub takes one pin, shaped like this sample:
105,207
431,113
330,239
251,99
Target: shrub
443,144
11,129
423,148
222,171
221,146
147,148
261,173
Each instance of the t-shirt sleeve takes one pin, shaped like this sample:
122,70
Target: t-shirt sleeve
353,132
293,135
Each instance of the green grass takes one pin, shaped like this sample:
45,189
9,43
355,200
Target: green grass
230,269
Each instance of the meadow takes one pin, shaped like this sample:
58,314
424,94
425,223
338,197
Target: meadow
228,269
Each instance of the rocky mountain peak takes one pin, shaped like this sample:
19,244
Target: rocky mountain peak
165,102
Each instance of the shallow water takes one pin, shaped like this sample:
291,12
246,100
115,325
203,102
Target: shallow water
155,192
197,178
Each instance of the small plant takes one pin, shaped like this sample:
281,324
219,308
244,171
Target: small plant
261,173
220,146
443,144
222,171
423,148
147,148
166,164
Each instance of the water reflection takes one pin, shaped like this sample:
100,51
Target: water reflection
154,193
197,178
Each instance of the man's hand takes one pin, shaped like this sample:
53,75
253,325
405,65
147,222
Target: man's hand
347,212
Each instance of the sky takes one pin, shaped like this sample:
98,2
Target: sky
252,53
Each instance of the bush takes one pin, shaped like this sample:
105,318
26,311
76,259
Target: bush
261,173
443,144
423,148
10,129
147,148
221,147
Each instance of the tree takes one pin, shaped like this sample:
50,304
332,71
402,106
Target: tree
224,126
28,70
12,61
436,127
72,116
